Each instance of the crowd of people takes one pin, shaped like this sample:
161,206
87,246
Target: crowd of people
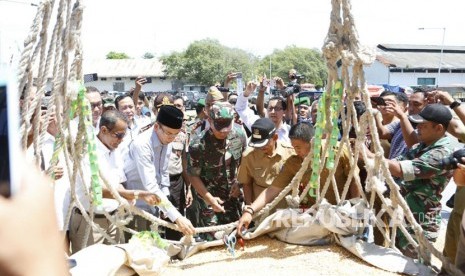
233,158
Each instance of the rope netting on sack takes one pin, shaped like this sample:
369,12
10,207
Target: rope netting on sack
57,57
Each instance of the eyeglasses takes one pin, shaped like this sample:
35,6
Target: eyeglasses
233,102
94,105
275,108
118,135
170,135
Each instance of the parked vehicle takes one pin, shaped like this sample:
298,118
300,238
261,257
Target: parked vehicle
192,98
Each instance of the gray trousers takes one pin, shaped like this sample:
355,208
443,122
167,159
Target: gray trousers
78,227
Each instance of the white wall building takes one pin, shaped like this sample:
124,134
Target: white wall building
120,74
410,65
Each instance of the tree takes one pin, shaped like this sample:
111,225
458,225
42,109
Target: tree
307,62
116,55
148,55
206,62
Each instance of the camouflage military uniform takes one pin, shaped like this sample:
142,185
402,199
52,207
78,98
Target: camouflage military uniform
216,162
422,186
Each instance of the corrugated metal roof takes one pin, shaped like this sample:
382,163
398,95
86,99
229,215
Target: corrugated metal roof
421,56
124,67
393,47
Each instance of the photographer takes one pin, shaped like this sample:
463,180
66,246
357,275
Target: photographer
456,128
289,92
275,111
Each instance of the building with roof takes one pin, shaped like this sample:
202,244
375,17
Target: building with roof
120,74
411,65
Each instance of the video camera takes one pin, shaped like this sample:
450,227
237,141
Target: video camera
450,163
223,89
290,89
296,77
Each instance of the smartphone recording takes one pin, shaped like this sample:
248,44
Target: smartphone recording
378,101
9,133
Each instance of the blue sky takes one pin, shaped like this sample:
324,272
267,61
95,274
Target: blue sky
160,27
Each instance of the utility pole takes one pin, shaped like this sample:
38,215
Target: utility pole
441,55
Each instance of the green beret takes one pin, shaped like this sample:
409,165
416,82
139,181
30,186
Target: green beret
201,102
303,100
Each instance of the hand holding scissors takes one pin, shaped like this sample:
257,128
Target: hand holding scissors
230,243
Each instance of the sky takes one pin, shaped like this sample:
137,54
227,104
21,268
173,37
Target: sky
161,27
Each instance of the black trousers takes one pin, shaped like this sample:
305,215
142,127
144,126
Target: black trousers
178,199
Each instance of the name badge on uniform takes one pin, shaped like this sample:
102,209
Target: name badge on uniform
236,148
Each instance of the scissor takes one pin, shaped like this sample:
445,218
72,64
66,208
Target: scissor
230,243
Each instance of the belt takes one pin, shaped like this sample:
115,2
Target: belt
175,177
77,211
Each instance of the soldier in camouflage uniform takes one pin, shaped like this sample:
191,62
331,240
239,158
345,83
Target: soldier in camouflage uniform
420,175
213,159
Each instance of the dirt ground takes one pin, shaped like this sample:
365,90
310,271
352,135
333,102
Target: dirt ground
266,256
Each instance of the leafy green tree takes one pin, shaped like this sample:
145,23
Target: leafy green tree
148,55
116,55
307,62
206,62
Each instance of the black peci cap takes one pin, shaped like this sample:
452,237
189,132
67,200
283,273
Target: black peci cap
170,116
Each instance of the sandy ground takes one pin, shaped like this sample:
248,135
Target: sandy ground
268,256
265,256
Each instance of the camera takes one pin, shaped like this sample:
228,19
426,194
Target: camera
223,89
290,89
450,163
295,76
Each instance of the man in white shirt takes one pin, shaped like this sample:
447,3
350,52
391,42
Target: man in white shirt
96,104
125,105
275,111
147,167
113,125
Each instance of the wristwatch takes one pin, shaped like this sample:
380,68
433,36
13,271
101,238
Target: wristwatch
136,195
454,104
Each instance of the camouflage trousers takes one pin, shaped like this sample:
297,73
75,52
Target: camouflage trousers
208,217
430,231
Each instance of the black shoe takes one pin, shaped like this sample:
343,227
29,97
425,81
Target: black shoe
450,202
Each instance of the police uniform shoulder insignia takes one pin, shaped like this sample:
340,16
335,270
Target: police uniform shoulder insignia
195,126
145,128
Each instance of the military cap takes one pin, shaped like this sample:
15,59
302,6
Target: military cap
222,114
201,102
302,100
213,95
